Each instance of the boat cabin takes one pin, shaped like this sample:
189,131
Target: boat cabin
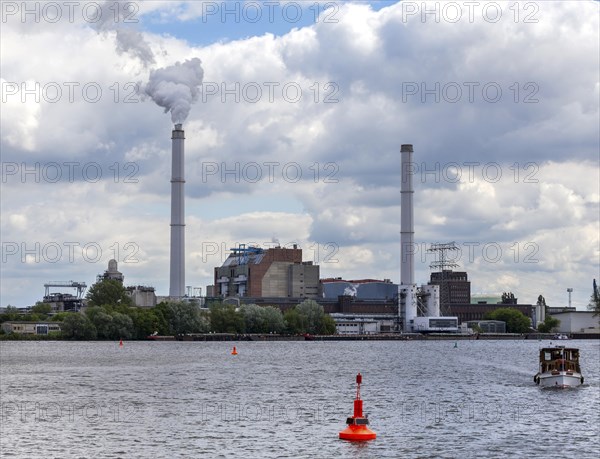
559,358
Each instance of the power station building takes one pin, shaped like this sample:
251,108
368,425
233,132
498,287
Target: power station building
141,295
112,273
455,287
277,272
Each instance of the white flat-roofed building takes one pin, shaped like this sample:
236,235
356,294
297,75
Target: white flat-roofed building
357,327
577,322
30,328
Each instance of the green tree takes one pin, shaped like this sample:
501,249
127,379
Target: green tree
108,292
78,326
594,304
272,320
508,298
147,321
102,321
327,325
10,313
253,318
162,312
59,316
122,326
109,323
34,317
41,308
185,317
314,313
225,319
295,323
516,321
548,325
92,311
11,309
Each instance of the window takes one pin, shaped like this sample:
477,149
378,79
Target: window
442,323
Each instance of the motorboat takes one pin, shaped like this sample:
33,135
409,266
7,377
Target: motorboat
559,367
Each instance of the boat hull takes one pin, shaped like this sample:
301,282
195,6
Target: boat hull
560,380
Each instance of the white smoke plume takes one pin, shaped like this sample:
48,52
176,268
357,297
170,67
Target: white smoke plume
131,41
116,17
351,290
176,87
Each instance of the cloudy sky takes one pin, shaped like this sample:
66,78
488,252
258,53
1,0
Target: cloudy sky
294,137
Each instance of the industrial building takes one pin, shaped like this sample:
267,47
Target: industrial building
455,287
112,273
60,301
578,322
277,272
251,274
142,296
30,328
360,326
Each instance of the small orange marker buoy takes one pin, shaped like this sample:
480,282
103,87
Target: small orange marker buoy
234,352
357,429
121,343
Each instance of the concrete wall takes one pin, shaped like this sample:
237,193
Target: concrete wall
577,322
143,297
275,280
303,281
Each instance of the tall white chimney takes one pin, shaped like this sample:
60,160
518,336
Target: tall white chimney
407,230
407,290
177,281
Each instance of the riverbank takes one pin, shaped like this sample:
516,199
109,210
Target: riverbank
369,337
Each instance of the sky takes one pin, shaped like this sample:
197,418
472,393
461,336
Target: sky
294,116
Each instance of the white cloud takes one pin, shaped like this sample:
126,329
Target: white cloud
347,151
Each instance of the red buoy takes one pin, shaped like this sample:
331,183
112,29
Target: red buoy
234,352
121,343
357,429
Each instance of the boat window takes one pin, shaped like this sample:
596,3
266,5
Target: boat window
547,356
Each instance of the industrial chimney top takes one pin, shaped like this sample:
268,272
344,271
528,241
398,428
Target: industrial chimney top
407,147
178,132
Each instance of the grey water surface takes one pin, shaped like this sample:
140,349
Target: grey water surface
424,399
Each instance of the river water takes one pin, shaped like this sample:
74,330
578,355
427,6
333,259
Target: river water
424,399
